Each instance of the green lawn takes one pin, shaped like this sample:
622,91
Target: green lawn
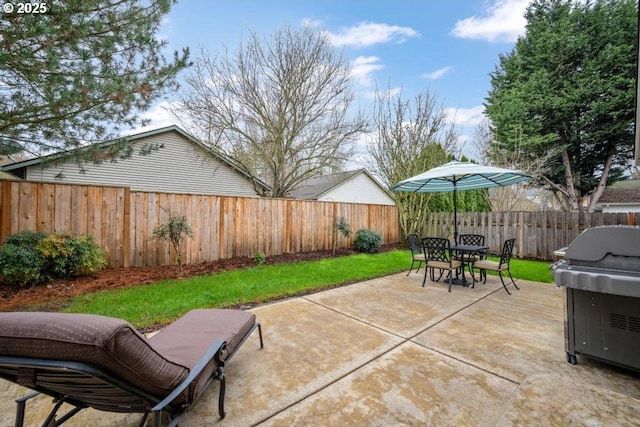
162,302
536,271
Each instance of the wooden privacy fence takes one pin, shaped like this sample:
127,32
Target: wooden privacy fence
537,234
122,221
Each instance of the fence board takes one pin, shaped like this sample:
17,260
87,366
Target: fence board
122,222
26,219
538,234
44,211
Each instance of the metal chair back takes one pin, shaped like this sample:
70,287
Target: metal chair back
414,244
471,239
437,249
507,251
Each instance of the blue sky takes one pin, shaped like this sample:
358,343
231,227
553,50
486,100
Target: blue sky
446,46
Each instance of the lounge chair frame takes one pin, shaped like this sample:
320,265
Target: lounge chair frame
84,385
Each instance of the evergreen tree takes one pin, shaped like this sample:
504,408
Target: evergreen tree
568,86
81,72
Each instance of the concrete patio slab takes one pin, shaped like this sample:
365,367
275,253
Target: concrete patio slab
538,296
410,385
507,335
559,400
390,352
307,347
400,308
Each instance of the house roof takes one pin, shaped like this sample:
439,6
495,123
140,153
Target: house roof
132,138
316,187
7,176
627,191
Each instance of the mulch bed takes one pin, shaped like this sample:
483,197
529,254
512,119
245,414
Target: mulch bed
50,296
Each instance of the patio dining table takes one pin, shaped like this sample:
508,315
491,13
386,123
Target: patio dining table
466,252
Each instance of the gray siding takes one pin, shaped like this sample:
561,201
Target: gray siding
180,167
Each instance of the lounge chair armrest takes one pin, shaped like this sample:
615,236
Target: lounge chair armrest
214,351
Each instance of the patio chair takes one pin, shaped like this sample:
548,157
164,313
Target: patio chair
417,254
104,363
437,252
475,240
502,265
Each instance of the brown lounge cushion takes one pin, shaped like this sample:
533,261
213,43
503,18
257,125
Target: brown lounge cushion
185,341
156,365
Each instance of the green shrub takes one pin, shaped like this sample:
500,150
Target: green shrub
29,258
67,255
29,239
20,261
259,258
367,241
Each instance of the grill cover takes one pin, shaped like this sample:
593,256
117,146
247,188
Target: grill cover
603,259
601,276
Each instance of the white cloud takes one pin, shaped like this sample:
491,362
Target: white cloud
159,117
466,117
363,67
311,23
370,33
165,30
389,93
365,140
437,73
361,157
503,20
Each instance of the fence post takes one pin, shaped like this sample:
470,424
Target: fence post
520,230
631,218
5,210
126,228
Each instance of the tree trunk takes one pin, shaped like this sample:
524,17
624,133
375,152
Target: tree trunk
568,176
601,184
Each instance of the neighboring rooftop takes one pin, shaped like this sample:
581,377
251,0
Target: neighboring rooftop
627,191
356,186
317,186
7,176
20,168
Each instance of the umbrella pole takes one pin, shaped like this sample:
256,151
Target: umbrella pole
455,214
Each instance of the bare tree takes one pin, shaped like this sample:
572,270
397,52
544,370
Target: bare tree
279,106
412,137
513,197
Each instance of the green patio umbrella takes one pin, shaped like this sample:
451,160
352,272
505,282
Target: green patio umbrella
454,176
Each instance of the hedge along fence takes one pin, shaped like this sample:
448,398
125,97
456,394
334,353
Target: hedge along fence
538,234
121,221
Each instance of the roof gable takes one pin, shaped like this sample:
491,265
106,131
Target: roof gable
316,187
18,166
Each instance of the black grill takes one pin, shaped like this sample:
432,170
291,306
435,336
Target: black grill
601,275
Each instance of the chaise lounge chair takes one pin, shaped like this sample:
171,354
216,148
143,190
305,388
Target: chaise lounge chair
104,363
